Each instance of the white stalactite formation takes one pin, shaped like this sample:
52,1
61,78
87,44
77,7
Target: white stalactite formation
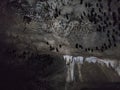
79,60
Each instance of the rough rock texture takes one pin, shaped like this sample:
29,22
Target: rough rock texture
73,27
30,29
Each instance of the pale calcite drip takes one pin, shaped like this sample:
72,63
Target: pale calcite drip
70,68
70,62
79,60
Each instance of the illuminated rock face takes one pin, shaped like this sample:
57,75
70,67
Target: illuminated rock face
79,60
80,28
75,27
63,27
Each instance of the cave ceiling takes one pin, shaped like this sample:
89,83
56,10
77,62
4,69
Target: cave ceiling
60,27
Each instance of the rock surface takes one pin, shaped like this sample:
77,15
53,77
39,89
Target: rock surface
63,26
35,33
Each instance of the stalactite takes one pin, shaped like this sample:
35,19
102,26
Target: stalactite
79,60
70,68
